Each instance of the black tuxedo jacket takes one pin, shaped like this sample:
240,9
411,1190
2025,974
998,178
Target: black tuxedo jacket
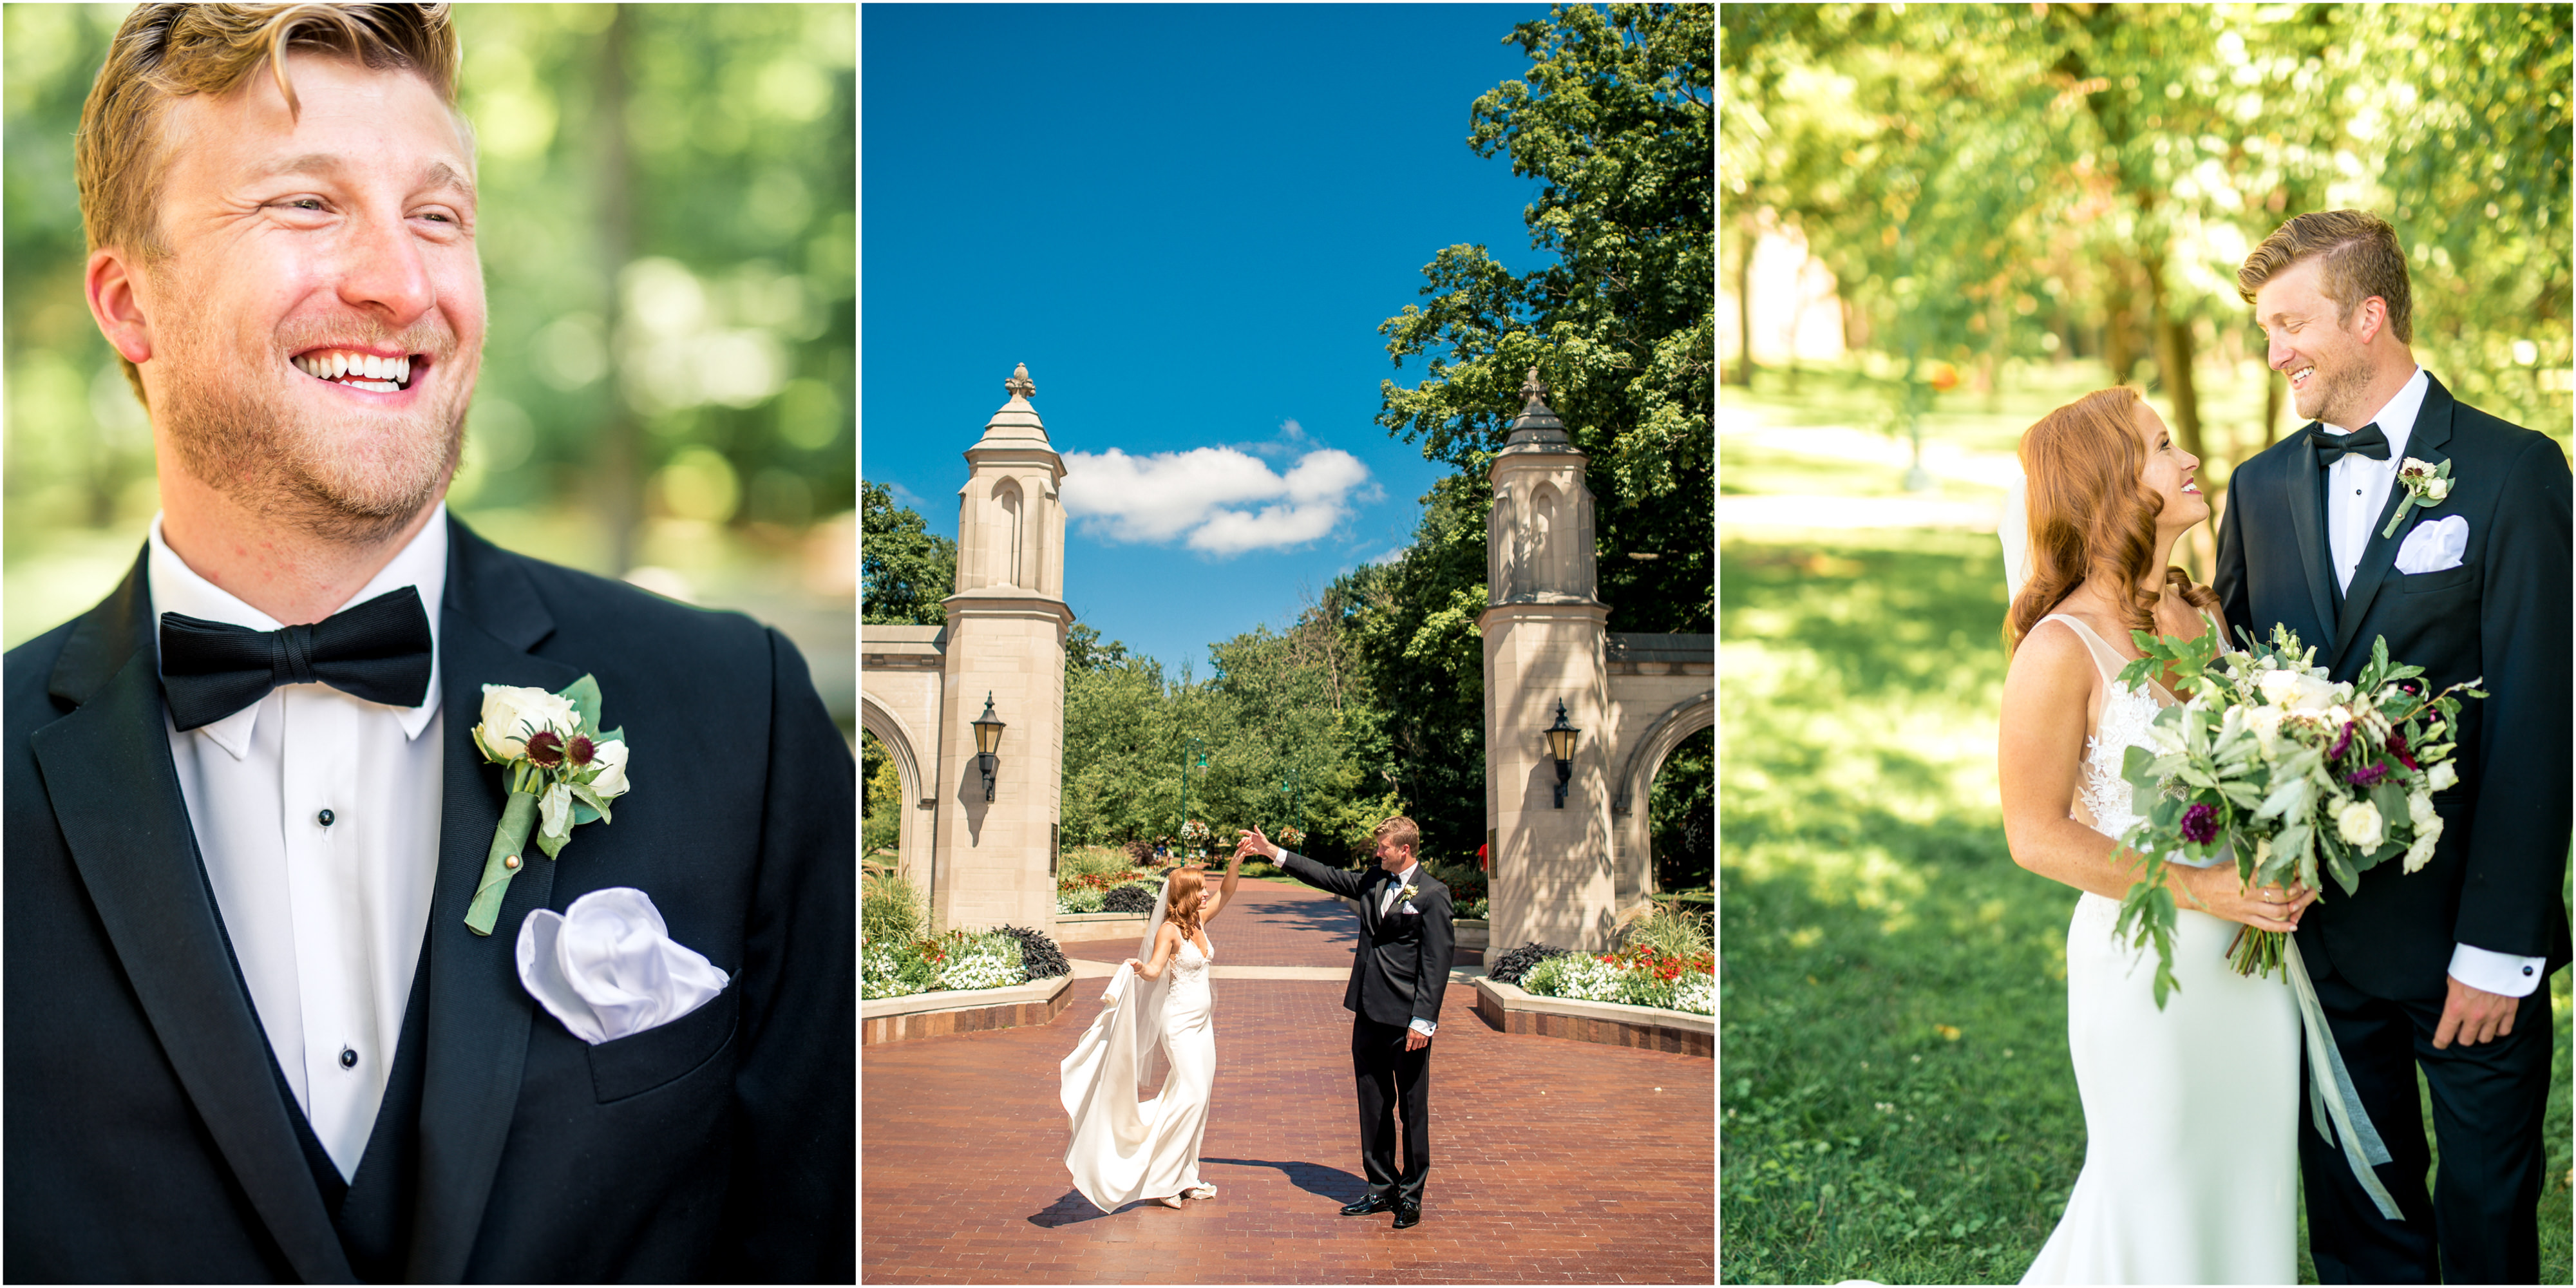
2503,614
1402,966
147,1135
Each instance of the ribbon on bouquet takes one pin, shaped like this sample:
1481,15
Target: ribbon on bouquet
2359,1140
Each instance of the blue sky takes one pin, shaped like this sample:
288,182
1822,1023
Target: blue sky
1188,221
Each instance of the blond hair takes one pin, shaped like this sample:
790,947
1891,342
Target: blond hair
1399,830
165,52
2361,258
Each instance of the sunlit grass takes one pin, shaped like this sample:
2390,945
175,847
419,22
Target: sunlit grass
1897,1102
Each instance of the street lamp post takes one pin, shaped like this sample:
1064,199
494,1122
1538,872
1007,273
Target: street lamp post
1560,744
988,745
1188,749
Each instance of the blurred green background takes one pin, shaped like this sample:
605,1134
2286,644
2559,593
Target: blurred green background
669,250
1940,222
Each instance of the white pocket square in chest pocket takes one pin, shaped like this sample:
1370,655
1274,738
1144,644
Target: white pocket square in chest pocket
608,968
2434,546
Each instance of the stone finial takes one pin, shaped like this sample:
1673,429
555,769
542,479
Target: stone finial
1019,384
1533,393
1537,428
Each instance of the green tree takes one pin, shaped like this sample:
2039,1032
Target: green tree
905,569
1615,121
881,799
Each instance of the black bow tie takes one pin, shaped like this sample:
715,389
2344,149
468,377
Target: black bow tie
378,650
2368,441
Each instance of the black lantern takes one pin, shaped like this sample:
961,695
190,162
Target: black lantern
1560,744
988,740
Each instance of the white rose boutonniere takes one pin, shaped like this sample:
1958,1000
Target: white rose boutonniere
2427,485
1406,894
563,770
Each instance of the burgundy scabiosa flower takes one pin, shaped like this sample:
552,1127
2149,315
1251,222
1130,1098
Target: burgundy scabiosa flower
2342,742
2200,825
2397,747
2368,774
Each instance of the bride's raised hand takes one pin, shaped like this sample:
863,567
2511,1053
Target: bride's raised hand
2216,891
1251,844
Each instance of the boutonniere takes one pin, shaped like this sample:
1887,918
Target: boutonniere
563,770
2427,485
1406,894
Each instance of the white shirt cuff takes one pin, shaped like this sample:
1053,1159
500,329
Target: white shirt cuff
2493,972
1422,1026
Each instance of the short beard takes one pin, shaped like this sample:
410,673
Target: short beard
2337,393
281,467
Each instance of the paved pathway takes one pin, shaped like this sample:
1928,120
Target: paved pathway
1552,1161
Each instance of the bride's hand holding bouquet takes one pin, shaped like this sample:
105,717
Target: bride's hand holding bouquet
2293,776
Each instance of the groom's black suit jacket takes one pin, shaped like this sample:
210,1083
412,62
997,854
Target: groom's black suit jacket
148,1132
2503,614
1402,966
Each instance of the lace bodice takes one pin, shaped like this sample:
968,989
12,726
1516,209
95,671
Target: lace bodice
1189,969
2126,713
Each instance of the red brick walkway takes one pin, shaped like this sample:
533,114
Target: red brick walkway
1552,1161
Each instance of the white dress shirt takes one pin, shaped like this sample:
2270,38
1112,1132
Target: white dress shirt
326,920
1385,905
2356,491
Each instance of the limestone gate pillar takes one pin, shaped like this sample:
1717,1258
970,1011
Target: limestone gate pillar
1551,876
1005,638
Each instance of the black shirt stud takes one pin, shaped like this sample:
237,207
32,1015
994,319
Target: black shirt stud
348,1058
324,818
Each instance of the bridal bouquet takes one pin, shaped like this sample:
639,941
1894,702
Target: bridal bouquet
2289,773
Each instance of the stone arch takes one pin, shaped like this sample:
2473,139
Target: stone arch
1645,757
1547,537
1007,551
912,844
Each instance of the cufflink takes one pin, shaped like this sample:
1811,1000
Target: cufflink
2526,970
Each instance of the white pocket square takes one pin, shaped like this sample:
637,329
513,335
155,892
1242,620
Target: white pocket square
2434,546
608,968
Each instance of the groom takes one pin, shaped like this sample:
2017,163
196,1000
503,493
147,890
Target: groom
2445,968
249,1036
1397,977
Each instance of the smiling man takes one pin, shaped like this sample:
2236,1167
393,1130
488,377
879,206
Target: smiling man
250,1035
2326,532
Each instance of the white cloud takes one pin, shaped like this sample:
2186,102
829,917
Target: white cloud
1217,499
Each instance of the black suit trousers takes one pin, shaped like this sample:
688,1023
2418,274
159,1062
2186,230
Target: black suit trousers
2481,1223
1392,1081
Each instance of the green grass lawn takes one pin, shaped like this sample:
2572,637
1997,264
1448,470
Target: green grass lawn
1897,1103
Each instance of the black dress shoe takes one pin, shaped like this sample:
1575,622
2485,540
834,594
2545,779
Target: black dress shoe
1368,1204
1407,1215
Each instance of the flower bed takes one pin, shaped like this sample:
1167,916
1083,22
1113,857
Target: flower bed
1089,892
1639,977
957,960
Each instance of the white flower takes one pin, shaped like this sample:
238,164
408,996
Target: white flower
610,756
511,714
2421,852
2278,687
2265,722
2419,811
2358,824
2442,776
2437,489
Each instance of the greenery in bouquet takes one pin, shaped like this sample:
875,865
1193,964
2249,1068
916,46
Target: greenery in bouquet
2293,776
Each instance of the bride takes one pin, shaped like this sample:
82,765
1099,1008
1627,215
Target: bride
1158,1009
2190,1112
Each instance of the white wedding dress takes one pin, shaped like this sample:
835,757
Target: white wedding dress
2190,1113
1124,1149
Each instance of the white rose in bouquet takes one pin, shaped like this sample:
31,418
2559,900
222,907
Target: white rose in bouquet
2359,825
2442,776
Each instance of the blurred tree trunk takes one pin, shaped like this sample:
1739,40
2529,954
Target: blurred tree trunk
2117,351
620,480
1744,307
2173,355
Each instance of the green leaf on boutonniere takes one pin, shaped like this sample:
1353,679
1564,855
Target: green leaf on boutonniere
583,694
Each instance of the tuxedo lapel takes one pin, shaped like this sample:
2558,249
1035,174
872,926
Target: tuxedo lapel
115,794
2431,434
2307,520
479,1013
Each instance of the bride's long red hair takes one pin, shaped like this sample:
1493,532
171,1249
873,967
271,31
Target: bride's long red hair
2091,513
1181,901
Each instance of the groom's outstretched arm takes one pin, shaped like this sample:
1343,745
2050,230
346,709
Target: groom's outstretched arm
1345,884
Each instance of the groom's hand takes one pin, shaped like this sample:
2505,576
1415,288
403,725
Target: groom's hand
2474,1016
1252,844
1416,1039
